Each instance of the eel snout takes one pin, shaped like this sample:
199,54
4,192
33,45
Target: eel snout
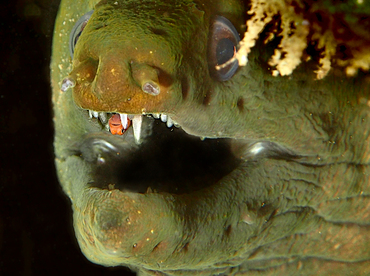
114,84
122,78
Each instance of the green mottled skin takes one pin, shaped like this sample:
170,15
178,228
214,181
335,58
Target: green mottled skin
309,215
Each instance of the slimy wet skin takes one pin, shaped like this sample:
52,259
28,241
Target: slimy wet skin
176,168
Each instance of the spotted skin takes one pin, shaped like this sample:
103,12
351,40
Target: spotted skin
298,203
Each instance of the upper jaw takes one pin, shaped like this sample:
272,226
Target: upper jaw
123,121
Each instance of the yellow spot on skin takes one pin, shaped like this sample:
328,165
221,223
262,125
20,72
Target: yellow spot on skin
113,71
147,239
139,212
152,231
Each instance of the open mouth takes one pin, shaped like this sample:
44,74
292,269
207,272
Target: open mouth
285,193
151,153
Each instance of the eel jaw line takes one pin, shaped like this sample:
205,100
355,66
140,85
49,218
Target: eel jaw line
118,123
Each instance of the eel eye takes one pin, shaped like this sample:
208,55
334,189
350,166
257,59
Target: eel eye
77,30
223,44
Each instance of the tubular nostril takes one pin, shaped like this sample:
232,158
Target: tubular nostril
151,88
84,73
147,77
67,83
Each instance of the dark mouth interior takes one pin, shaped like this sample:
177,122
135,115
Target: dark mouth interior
169,160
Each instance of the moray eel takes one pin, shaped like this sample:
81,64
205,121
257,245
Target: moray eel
222,172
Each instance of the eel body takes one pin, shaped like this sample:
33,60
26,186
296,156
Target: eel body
234,172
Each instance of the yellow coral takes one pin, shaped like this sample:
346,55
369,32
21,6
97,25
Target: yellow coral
296,31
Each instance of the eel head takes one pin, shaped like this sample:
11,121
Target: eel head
176,167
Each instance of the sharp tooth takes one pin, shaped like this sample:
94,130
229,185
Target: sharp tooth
136,125
156,115
90,114
163,118
95,114
107,127
169,122
103,117
175,123
123,120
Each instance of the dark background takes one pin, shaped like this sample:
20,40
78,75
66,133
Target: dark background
36,232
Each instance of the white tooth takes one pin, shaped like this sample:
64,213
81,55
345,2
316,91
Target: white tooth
163,118
169,122
123,120
175,124
107,127
103,117
90,114
156,115
136,125
95,114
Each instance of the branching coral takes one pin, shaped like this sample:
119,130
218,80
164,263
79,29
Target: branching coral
340,33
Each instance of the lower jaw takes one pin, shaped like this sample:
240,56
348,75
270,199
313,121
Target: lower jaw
138,197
